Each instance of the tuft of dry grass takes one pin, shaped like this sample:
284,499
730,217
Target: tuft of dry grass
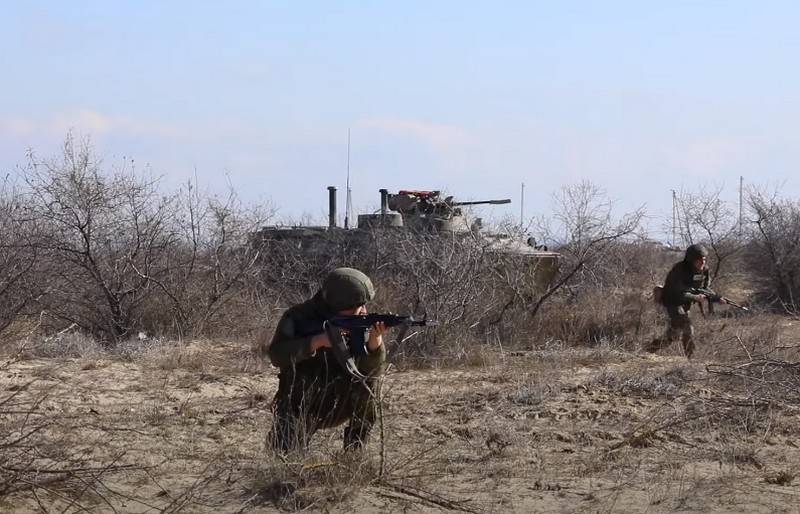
299,482
532,390
643,381
64,345
783,477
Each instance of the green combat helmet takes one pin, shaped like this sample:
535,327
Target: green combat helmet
695,252
346,288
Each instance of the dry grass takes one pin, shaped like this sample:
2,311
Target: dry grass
300,481
166,426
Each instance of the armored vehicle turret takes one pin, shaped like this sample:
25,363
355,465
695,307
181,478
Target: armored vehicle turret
422,210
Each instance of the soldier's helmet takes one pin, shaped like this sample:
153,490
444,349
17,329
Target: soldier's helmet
346,288
695,252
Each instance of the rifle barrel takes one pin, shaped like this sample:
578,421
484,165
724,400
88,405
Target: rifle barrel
367,320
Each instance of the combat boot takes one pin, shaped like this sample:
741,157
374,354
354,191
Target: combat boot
688,348
656,344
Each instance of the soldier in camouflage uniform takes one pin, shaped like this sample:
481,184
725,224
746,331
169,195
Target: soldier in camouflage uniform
677,297
314,391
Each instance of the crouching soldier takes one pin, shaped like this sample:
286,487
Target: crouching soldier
678,295
314,391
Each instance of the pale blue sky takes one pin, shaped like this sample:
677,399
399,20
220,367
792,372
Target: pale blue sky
639,97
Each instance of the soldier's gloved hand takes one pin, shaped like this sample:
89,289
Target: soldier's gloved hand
319,342
700,298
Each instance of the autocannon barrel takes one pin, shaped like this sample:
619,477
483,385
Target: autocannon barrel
483,202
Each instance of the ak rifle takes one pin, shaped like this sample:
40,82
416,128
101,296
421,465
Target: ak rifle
716,298
349,334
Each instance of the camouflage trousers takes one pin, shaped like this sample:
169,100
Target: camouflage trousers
679,324
325,396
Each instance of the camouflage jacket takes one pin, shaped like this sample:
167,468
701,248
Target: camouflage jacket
291,345
681,279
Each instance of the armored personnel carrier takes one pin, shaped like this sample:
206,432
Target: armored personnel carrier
420,211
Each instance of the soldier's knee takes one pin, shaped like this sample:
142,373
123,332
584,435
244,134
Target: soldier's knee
672,334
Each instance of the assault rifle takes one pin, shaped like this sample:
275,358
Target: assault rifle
349,334
358,326
716,298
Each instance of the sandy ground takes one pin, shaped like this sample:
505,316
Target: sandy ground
590,430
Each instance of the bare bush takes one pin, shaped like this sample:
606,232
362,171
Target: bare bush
208,277
118,256
293,261
18,259
774,252
586,232
98,231
588,238
446,277
704,217
762,380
